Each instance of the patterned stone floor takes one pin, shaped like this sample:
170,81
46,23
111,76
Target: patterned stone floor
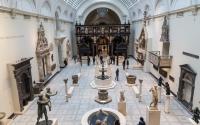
70,113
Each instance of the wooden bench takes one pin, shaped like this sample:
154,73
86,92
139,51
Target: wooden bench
136,91
70,91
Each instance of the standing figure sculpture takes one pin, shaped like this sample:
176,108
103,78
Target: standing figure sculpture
165,31
48,95
154,103
122,97
42,102
196,115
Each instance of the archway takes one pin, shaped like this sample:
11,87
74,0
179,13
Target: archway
102,16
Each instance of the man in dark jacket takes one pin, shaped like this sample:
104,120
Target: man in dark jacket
117,75
127,63
141,122
124,65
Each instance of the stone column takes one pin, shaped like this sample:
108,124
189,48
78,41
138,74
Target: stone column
66,89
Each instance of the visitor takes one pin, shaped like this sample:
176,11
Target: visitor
88,60
127,63
124,64
114,60
160,81
117,75
93,60
101,59
167,88
141,122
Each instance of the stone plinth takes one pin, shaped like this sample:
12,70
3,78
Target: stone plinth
122,107
152,117
159,93
167,103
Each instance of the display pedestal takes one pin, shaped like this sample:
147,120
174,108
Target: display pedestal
193,122
50,122
122,107
140,92
167,103
152,117
159,94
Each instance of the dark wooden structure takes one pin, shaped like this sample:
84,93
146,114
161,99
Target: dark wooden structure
186,86
92,40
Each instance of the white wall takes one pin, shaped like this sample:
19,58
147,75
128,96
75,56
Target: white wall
184,36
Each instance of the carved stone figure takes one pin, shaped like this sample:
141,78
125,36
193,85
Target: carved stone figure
196,115
42,102
48,95
122,97
165,31
167,88
154,102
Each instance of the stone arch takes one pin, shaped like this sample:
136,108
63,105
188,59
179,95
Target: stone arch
46,9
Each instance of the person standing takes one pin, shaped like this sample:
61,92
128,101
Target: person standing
124,64
141,122
93,60
117,75
88,60
127,63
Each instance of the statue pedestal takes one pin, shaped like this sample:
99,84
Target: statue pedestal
159,94
193,122
152,117
50,122
122,107
140,92
167,103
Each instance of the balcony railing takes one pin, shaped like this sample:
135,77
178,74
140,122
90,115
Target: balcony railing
160,61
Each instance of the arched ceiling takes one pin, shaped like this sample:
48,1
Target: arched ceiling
76,3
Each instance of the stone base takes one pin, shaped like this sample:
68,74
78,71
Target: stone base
50,122
109,99
152,117
122,107
193,122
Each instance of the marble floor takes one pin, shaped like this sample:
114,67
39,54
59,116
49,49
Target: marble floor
82,100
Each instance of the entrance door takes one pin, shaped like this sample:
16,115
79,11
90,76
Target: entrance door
186,86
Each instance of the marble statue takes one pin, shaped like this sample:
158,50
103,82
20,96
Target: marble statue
167,88
122,97
196,115
42,102
48,95
154,102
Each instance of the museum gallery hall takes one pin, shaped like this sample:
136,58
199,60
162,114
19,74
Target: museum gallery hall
99,62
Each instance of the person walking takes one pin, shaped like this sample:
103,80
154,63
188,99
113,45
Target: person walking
88,60
127,63
117,75
93,60
124,64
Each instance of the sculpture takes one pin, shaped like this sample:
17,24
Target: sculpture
102,115
167,88
154,102
48,95
196,115
122,97
165,31
42,102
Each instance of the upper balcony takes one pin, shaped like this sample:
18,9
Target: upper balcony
160,61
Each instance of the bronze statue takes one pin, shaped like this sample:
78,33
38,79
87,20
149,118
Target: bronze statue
154,102
48,95
42,102
196,115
